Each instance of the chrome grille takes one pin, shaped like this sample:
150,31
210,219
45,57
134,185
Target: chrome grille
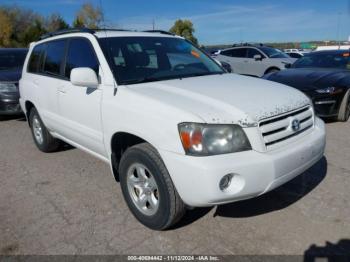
283,127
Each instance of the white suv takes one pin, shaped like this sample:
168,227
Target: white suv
176,130
254,60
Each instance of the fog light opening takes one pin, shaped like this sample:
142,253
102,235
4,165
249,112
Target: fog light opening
225,182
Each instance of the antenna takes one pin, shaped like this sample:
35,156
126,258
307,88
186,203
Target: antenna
102,15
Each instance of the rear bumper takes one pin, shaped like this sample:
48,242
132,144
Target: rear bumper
197,178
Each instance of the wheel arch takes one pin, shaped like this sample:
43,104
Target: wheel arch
28,107
271,68
119,143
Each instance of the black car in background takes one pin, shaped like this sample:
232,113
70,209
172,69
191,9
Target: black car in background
325,77
11,63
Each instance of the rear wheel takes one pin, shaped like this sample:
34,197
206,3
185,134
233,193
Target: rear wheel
344,110
148,189
42,138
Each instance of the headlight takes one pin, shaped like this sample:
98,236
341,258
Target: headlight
8,87
211,139
329,90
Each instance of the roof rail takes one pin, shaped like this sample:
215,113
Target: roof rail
112,29
78,30
67,31
159,31
92,31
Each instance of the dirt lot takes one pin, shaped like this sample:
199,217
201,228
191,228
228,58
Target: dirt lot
68,203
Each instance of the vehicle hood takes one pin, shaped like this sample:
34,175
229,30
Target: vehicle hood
10,75
311,78
226,98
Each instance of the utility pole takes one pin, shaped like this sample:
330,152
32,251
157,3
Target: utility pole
338,28
153,24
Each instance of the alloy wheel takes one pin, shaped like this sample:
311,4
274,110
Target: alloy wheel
143,189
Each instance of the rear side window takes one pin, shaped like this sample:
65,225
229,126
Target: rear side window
35,60
80,54
54,57
237,52
226,52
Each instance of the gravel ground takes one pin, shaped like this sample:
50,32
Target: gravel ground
69,203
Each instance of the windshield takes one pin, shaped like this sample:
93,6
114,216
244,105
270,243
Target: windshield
12,59
146,59
324,60
273,52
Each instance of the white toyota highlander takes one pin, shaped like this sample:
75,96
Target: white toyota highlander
176,129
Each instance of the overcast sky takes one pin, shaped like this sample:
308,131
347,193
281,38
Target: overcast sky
221,21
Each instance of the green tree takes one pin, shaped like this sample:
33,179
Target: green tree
77,23
27,26
32,33
55,22
88,16
6,29
185,29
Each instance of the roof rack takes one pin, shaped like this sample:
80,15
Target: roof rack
159,31
92,31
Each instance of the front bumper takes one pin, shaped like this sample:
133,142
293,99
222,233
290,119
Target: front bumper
197,178
10,107
326,105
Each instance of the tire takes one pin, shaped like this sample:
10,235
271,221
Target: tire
42,138
344,110
167,207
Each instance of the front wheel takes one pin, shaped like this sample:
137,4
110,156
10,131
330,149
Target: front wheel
42,137
147,188
344,110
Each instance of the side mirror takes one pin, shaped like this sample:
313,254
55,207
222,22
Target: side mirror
288,65
84,76
257,57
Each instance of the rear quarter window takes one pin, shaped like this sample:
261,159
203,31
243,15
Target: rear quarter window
36,59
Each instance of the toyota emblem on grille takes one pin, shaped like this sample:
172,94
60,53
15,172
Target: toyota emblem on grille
295,124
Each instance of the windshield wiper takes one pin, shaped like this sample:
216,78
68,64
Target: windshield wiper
139,80
202,74
153,79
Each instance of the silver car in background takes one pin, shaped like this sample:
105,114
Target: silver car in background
254,60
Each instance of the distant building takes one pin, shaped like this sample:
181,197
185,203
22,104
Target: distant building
333,47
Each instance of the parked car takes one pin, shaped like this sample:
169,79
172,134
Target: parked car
254,60
325,77
291,50
176,129
296,55
11,63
